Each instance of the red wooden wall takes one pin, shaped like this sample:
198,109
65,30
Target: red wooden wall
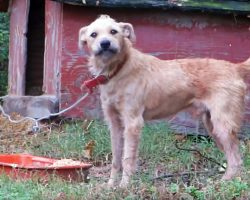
166,34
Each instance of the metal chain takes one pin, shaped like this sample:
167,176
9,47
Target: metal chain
36,126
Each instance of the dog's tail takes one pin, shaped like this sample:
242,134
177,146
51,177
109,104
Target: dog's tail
244,68
247,62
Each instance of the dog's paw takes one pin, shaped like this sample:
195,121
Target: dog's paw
232,172
124,183
106,186
112,183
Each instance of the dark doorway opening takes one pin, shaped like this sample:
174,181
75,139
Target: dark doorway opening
35,48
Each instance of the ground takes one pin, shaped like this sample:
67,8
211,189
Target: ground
188,174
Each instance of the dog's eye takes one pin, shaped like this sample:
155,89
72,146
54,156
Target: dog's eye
93,35
113,31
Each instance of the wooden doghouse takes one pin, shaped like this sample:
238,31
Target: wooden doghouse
46,69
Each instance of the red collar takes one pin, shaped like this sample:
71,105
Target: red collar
94,82
101,79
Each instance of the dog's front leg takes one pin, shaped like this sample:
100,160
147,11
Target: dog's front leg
116,133
132,134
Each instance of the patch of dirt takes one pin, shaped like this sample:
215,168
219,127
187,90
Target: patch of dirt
8,127
100,172
15,136
12,135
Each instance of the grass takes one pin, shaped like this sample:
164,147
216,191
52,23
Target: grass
158,155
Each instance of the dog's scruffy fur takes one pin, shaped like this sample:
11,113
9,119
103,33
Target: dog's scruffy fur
148,88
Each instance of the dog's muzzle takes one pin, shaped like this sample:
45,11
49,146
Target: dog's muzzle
105,44
106,48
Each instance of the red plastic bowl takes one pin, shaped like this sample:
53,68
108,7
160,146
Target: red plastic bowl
26,166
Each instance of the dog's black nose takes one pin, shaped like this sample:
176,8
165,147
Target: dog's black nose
105,44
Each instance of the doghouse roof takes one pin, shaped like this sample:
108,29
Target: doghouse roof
221,6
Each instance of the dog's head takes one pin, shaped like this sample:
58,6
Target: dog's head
104,38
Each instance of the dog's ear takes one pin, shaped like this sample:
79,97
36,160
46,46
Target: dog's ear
82,37
128,31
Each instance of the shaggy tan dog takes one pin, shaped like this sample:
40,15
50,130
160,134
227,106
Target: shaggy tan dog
143,87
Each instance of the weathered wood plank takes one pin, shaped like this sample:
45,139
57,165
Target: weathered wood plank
225,6
53,48
18,46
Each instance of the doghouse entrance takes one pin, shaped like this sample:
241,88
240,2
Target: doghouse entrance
35,48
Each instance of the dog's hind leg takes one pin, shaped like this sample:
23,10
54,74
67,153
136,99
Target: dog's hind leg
226,108
228,142
206,119
132,134
116,133
225,121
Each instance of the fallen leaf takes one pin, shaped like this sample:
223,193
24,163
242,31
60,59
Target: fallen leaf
180,137
89,149
221,169
61,196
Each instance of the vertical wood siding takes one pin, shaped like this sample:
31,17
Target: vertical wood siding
18,46
53,47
